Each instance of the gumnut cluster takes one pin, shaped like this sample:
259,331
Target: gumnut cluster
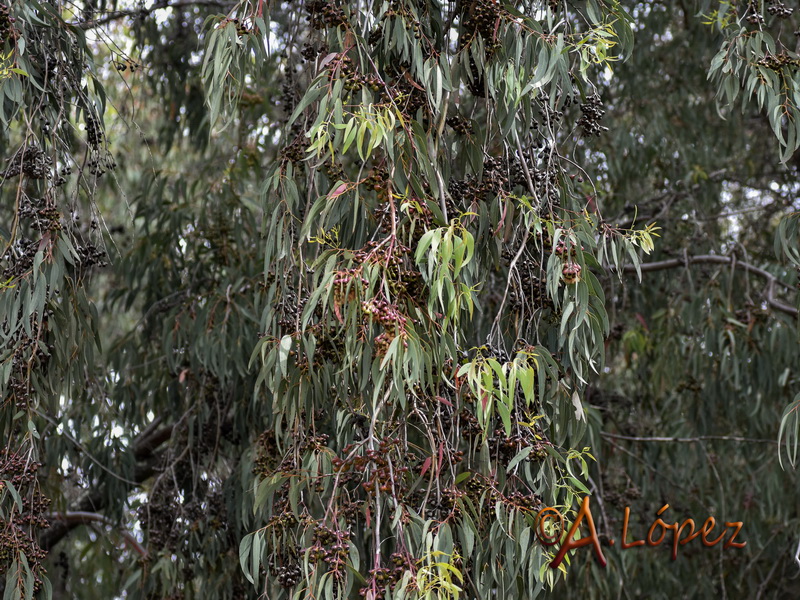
100,163
394,322
384,313
381,577
566,249
345,283
571,270
592,111
295,151
494,181
94,132
324,15
30,161
779,9
309,52
399,10
329,546
506,447
460,124
571,273
18,527
382,475
7,29
776,62
483,17
159,518
241,28
289,575
377,181
353,79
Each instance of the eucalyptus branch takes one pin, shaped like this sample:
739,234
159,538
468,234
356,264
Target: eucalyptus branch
771,279
76,518
143,12
688,440
144,449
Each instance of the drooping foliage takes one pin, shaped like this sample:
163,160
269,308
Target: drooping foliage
329,300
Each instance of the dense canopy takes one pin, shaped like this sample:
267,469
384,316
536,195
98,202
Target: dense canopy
328,299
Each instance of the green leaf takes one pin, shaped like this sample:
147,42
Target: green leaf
518,458
245,548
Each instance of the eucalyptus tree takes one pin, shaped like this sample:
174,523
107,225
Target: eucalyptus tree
701,375
333,302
